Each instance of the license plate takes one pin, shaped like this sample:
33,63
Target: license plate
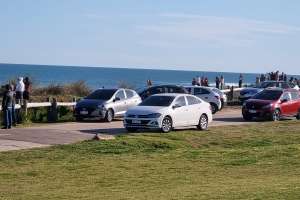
84,112
252,111
136,121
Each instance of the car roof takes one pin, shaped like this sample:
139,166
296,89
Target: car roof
171,94
198,86
281,89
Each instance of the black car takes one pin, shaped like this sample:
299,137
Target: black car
162,89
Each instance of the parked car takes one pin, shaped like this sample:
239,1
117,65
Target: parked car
168,111
106,104
162,89
272,103
208,95
223,96
247,93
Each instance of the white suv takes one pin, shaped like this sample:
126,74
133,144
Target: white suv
207,94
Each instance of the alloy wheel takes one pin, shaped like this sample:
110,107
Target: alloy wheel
203,122
166,125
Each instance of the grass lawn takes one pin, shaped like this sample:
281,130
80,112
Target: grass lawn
233,162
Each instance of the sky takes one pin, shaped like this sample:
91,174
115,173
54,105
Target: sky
203,35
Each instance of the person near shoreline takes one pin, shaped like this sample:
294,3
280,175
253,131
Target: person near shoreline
27,89
194,82
240,81
217,82
7,106
149,83
206,82
222,81
20,88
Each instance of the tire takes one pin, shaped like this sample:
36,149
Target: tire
203,122
109,116
129,129
247,117
167,125
214,108
298,115
276,115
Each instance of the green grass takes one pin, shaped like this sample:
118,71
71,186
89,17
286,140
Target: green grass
235,162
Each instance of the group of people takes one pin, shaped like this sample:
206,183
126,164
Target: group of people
203,81
12,95
276,76
200,81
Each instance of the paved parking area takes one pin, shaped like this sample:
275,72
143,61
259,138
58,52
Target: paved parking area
66,133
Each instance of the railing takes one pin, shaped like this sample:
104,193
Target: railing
44,104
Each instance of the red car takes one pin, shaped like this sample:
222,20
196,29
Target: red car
272,104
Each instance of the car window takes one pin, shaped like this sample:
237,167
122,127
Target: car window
180,101
103,94
286,95
192,100
284,85
174,90
157,101
295,95
268,95
120,95
200,91
129,93
156,90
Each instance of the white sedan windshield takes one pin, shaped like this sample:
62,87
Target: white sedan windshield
158,101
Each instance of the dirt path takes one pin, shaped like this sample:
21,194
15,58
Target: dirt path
66,133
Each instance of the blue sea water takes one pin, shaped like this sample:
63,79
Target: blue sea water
97,77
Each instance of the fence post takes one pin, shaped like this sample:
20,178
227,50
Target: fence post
52,114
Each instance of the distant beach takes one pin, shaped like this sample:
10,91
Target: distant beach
97,77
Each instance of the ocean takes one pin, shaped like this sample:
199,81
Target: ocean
97,77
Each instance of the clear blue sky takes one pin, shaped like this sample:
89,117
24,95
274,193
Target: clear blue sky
209,35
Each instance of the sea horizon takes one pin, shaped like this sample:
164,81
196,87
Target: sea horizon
97,77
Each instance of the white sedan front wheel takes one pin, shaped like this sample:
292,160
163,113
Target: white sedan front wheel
166,125
203,122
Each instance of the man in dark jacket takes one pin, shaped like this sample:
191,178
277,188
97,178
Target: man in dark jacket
7,106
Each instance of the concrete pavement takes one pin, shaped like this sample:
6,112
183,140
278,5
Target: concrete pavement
66,133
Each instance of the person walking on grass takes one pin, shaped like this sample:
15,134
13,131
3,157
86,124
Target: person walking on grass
7,106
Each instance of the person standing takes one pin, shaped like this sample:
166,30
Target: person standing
217,82
222,80
20,88
27,89
194,82
240,81
7,105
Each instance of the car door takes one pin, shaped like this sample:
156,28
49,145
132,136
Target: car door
194,110
131,99
286,103
295,103
203,93
179,115
119,102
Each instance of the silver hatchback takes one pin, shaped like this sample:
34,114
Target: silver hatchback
106,104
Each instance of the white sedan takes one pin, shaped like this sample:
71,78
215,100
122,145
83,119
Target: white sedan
168,111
